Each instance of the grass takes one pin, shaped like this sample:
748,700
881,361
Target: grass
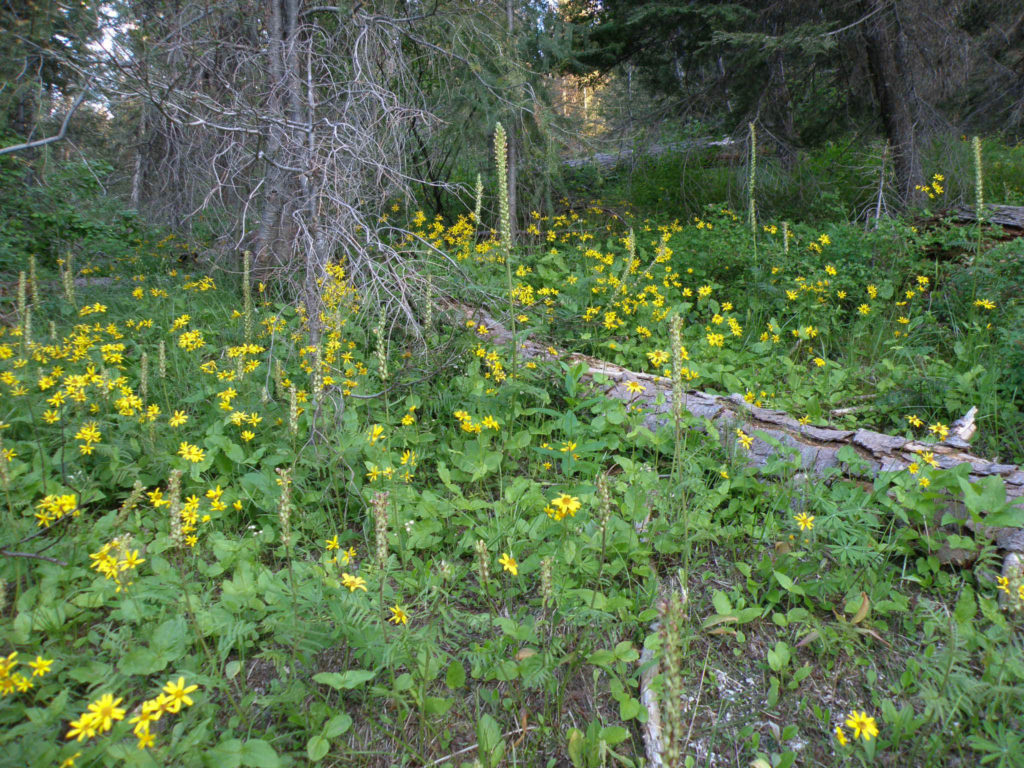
355,566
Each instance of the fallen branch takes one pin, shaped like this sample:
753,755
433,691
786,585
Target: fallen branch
1004,215
31,556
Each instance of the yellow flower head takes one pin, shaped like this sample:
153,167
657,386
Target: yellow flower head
508,563
863,727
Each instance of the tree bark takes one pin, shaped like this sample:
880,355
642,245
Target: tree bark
891,78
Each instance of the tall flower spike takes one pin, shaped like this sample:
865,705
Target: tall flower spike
144,377
483,568
68,278
380,527
247,307
501,161
753,171
382,353
284,505
979,178
478,205
174,509
33,282
161,365
293,411
604,497
547,594
672,669
676,338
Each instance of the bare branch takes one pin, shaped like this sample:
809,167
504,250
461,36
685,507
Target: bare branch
59,136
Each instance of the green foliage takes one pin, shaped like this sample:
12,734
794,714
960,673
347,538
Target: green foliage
355,569
68,214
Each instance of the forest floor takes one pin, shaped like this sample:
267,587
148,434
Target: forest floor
230,541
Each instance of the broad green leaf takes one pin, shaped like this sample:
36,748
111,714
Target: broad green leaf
337,725
259,754
317,748
455,677
787,583
340,681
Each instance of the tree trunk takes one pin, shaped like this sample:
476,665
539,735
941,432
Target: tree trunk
891,78
273,240
139,171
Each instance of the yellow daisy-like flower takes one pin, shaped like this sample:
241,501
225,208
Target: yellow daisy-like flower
104,711
398,615
805,521
352,583
566,504
508,563
745,440
177,694
40,666
841,736
192,453
863,727
178,418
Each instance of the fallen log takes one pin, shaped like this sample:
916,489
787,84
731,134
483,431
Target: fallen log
1004,215
817,446
609,160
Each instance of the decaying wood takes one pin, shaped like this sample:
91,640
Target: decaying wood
608,160
817,446
1004,215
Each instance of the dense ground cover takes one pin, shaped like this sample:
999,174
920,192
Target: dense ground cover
229,543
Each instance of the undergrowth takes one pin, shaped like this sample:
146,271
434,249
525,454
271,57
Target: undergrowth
230,541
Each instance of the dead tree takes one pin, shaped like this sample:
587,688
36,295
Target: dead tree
286,122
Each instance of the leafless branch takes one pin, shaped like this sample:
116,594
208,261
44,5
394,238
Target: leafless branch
59,136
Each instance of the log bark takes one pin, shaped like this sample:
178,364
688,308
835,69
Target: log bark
1004,215
817,446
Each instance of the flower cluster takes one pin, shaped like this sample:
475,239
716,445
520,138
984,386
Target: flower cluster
11,680
54,507
563,506
117,561
101,714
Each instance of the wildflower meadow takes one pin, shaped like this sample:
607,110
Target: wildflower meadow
241,531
